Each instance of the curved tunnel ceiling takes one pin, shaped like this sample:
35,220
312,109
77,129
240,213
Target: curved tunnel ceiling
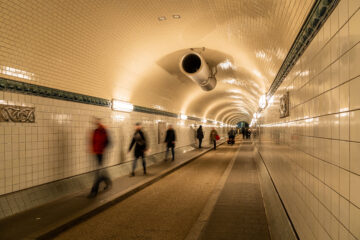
134,56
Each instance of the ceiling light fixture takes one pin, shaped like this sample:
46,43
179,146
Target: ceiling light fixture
183,116
162,18
262,102
122,106
176,16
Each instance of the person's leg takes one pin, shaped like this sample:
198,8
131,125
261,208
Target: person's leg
214,144
134,166
106,178
143,163
173,153
95,187
166,154
200,141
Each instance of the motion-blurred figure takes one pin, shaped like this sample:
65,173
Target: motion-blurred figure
213,137
248,133
100,140
139,141
200,135
243,132
231,135
170,142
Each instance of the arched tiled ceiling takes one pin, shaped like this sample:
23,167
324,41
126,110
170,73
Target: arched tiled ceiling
243,117
254,36
235,120
121,50
236,106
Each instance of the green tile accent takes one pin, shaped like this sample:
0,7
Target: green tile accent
319,13
154,111
194,118
36,90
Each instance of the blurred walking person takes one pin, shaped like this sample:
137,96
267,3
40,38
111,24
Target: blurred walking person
200,135
243,132
231,135
139,141
170,142
214,136
100,140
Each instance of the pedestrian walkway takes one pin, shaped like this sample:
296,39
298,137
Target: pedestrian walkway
239,212
56,216
166,210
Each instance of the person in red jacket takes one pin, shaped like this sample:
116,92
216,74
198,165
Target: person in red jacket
100,140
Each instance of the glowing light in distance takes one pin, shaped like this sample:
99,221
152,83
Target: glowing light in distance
234,91
10,71
183,116
233,81
262,102
260,54
257,73
204,120
225,65
122,106
270,101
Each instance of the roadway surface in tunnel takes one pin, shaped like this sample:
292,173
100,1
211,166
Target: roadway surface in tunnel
169,208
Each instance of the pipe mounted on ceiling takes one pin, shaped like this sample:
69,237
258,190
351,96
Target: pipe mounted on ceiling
194,66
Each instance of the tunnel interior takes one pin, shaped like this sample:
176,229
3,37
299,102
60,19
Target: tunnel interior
287,71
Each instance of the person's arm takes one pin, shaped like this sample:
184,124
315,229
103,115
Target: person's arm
132,144
166,136
144,139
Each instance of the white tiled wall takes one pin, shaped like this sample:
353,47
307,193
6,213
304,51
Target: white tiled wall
57,145
314,154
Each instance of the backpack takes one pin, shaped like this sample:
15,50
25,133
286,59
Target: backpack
139,139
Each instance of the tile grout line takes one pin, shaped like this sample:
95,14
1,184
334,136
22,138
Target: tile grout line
198,227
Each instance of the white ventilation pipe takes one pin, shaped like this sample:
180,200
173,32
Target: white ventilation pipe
195,67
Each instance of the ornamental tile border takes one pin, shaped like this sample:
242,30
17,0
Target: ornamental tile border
37,90
319,13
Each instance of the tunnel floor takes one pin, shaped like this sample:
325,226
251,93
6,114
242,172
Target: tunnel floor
170,207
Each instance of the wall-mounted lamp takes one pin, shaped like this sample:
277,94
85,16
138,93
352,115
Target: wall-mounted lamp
262,102
118,105
183,116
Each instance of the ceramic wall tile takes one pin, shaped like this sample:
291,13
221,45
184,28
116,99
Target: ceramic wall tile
334,116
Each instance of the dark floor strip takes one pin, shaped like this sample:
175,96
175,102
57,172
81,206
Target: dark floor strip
239,212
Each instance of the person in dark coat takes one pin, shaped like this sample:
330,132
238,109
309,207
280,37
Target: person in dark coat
170,142
100,140
243,132
200,135
139,141
231,134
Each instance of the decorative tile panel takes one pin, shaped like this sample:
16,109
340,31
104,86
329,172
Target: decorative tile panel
284,105
11,113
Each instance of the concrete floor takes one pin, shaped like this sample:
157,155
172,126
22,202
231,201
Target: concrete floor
239,212
170,207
